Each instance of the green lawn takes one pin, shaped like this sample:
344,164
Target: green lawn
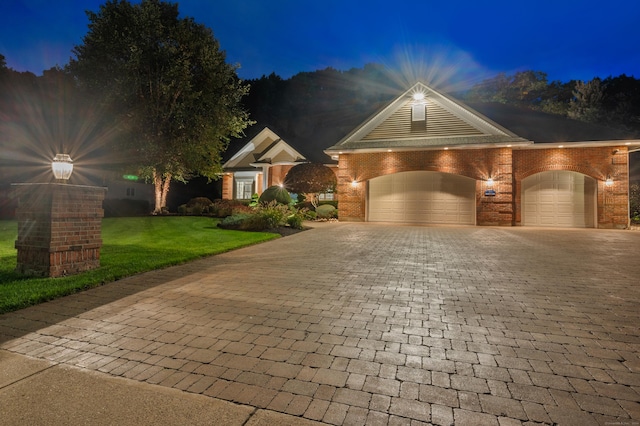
130,246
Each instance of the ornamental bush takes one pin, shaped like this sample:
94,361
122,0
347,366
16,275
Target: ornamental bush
295,220
275,193
326,211
233,221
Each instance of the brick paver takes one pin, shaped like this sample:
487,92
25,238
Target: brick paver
375,324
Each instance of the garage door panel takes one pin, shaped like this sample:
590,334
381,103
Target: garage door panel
559,198
422,197
570,209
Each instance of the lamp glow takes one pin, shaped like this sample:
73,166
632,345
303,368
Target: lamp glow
490,182
62,166
418,96
608,182
354,183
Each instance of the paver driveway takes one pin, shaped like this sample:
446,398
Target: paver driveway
376,324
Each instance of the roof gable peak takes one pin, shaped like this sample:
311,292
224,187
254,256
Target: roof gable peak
422,117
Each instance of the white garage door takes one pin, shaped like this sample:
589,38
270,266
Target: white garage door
422,197
559,199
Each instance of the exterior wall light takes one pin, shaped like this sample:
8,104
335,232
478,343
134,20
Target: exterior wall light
354,183
490,182
609,181
62,167
418,96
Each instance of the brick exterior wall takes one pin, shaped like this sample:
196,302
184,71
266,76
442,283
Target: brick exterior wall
505,166
598,163
59,228
278,173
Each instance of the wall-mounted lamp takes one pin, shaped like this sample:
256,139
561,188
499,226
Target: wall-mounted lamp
354,183
609,181
418,96
62,166
490,182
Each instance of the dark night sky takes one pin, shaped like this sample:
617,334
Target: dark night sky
461,41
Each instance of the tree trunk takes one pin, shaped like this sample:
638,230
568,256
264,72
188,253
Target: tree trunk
161,184
313,197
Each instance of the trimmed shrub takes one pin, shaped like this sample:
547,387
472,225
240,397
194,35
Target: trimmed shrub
255,222
325,211
275,193
224,208
233,221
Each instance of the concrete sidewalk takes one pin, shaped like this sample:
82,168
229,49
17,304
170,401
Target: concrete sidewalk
347,324
37,392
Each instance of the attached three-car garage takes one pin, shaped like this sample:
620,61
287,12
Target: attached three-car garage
422,197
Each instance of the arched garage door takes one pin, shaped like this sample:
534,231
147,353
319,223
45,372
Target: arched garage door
422,197
559,199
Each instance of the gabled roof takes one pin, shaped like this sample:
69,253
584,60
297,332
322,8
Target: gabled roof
448,123
264,148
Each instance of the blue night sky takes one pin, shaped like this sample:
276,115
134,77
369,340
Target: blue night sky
463,41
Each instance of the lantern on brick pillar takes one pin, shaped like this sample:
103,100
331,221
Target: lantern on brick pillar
62,167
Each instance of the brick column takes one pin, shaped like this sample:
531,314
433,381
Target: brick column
227,186
59,228
495,209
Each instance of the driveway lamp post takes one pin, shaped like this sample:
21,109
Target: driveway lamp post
62,167
59,225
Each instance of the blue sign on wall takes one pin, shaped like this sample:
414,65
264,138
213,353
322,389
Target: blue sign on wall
490,193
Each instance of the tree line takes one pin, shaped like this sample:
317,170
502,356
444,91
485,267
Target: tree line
613,101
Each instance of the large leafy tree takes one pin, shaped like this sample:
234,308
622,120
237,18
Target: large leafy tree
168,87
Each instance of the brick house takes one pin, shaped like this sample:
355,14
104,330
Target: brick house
427,158
262,162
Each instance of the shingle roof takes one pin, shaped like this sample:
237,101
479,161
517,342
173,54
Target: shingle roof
542,127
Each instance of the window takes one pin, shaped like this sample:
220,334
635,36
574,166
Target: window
131,192
244,189
325,196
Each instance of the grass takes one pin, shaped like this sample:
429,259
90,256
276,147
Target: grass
130,246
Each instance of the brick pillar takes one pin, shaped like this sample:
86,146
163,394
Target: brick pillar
59,228
227,186
495,204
